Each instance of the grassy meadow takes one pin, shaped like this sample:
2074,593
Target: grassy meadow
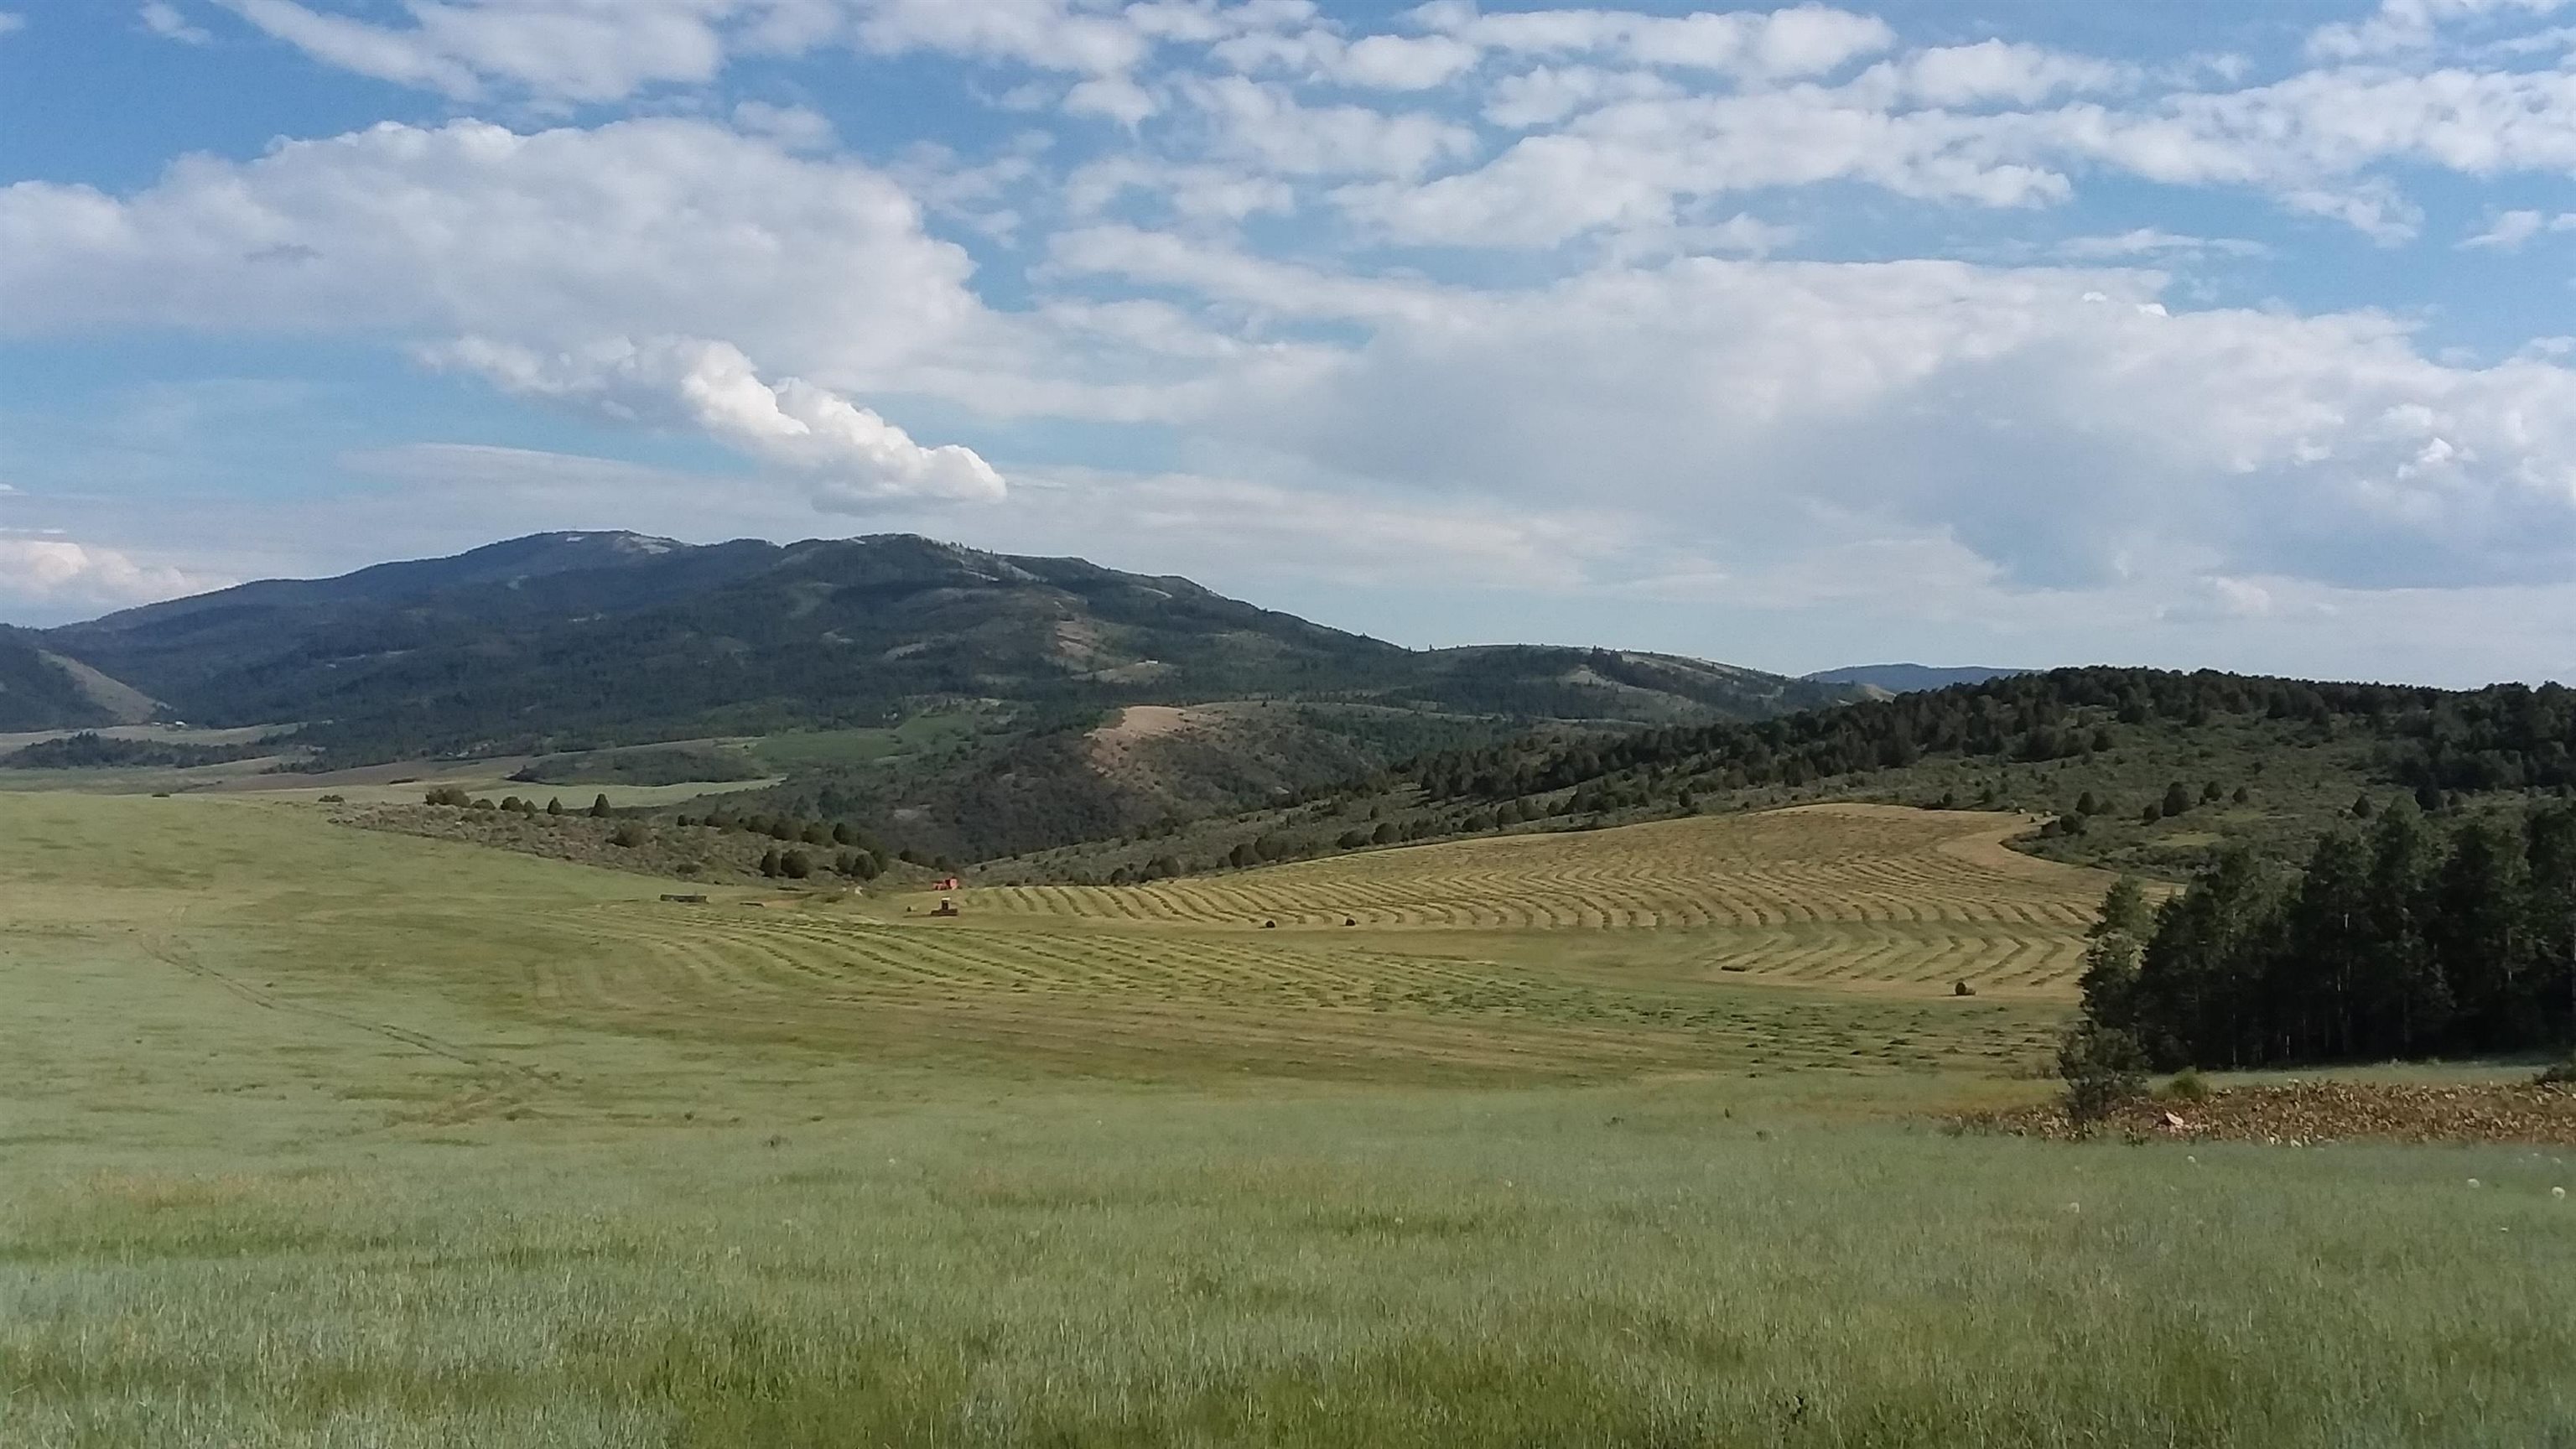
313,1136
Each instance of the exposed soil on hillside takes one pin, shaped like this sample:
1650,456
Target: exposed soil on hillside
1144,722
2311,1114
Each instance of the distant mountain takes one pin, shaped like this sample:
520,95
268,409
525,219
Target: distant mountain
1908,678
216,653
41,690
570,639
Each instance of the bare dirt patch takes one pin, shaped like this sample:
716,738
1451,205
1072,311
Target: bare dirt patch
1126,746
2308,1114
1149,721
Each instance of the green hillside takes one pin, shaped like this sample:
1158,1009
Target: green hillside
2142,770
42,691
969,703
565,641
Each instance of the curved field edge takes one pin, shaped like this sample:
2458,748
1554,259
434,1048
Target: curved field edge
1818,863
1868,897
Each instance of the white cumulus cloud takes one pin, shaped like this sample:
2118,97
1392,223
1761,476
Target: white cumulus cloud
855,456
163,19
2068,427
59,571
557,245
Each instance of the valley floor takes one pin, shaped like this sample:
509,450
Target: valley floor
315,1136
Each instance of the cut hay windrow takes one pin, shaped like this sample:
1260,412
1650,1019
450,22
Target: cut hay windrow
1792,867
1155,1001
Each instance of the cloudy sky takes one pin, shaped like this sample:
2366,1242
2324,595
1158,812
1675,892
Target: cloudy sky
1992,331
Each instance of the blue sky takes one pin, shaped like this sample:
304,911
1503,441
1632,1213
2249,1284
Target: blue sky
2021,332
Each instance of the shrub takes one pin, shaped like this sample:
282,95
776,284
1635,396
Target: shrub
332,800
2188,1085
446,795
599,807
2556,1074
626,836
555,806
2102,1067
769,861
795,865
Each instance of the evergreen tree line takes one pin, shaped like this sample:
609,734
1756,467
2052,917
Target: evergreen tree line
2503,737
2402,943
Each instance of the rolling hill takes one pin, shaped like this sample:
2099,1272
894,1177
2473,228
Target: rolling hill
564,640
43,690
1907,678
2140,770
557,644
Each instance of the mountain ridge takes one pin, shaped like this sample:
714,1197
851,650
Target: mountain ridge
1910,678
570,638
567,642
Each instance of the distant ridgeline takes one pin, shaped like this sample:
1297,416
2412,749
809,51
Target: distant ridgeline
562,642
2505,737
2403,943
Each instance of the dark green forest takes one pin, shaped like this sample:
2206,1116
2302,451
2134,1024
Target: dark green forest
2505,737
2405,942
90,750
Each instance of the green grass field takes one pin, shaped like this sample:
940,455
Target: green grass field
810,749
313,1136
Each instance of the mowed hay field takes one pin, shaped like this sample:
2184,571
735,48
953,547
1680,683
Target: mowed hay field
319,1137
1455,966
1860,895
1181,1006
1809,865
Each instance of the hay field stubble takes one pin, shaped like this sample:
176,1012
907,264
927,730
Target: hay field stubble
318,1137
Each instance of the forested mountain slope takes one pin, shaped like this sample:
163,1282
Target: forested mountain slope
2145,770
564,640
42,691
